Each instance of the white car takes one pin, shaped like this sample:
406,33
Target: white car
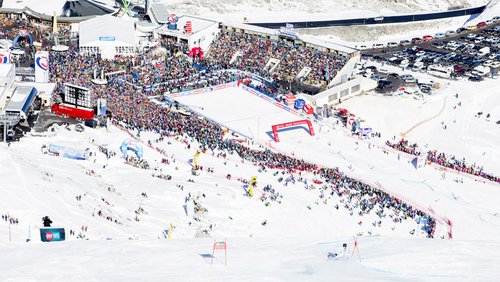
450,33
488,63
420,53
495,64
392,44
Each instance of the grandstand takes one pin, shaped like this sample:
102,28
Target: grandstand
297,63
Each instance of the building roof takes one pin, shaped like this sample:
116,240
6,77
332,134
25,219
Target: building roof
308,39
21,99
159,12
63,8
107,30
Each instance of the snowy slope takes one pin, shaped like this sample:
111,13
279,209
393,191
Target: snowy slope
298,259
293,244
265,10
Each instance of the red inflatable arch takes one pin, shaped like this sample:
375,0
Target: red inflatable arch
277,127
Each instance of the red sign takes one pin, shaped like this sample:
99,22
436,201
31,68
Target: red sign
83,113
189,27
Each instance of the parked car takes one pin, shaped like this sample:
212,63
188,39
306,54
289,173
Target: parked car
461,29
481,25
427,38
408,78
438,45
377,77
392,44
475,78
425,88
404,42
420,53
383,83
450,33
439,35
416,40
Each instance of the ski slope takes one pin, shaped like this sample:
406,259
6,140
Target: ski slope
296,259
241,111
299,231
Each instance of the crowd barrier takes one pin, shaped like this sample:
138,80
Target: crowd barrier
202,90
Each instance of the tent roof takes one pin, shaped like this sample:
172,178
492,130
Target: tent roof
107,29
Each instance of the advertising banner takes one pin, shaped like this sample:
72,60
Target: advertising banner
42,66
4,56
52,234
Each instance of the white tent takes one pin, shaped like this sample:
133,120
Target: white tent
108,36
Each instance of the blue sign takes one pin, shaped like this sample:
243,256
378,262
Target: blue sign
107,38
52,234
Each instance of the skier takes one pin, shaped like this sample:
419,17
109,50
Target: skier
340,254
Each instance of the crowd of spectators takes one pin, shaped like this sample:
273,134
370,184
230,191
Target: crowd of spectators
254,51
443,159
460,165
404,146
131,108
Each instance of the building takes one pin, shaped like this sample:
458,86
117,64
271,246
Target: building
21,101
108,36
67,11
203,31
341,86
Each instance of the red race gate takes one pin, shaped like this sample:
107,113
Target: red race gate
277,127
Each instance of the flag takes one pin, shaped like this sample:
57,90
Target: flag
327,71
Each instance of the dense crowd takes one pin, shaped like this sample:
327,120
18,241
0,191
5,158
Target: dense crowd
251,53
404,146
132,109
461,165
443,159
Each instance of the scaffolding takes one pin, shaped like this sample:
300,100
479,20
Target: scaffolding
8,120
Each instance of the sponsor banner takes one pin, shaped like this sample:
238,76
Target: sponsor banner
52,234
42,66
202,90
276,103
107,38
101,107
5,57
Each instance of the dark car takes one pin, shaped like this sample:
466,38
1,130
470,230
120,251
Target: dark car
416,40
381,84
425,88
461,29
475,78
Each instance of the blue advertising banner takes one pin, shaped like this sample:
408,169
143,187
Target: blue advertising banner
107,38
52,234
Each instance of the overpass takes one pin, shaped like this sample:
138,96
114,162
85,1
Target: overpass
375,20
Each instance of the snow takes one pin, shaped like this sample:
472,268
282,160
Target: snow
299,10
474,137
293,244
255,121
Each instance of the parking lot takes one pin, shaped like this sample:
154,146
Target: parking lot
473,54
